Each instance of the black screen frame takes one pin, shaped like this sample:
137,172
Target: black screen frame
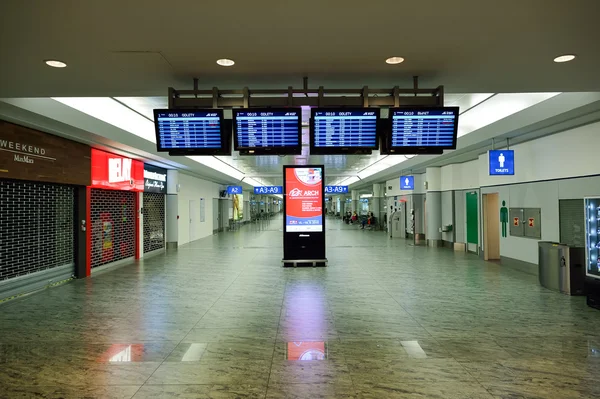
225,148
432,150
314,150
291,150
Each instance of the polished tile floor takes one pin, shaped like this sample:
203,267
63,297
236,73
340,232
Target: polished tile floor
221,318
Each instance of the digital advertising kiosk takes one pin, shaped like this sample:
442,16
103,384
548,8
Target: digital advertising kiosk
304,210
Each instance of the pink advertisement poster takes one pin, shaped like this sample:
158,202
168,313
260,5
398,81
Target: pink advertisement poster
304,200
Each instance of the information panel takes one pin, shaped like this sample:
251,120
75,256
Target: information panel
268,190
424,128
188,130
266,129
336,189
304,203
338,128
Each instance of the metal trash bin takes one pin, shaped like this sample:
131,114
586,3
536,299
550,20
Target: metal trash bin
561,268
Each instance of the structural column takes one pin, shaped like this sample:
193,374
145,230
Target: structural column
172,211
355,199
378,207
433,207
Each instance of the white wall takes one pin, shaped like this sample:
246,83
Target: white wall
567,154
395,184
563,155
193,188
460,176
542,195
546,170
447,201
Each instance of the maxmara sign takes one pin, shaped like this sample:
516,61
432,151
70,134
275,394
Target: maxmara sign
28,154
24,153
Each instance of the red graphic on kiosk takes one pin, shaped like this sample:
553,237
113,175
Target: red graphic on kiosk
304,200
114,172
515,221
531,220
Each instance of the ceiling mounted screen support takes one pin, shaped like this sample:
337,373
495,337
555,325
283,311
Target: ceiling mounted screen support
416,84
321,95
396,94
246,97
290,97
215,97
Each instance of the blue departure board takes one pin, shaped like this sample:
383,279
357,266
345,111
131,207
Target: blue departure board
344,128
188,130
424,128
264,129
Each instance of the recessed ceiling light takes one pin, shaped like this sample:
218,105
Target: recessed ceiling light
55,63
225,62
564,58
394,60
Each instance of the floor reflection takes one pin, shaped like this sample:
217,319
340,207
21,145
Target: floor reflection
310,350
413,349
123,353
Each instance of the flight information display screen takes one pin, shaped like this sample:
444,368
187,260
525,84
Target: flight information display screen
344,128
267,129
434,127
188,129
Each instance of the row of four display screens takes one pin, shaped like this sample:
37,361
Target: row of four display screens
332,131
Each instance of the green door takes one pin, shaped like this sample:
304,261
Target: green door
472,222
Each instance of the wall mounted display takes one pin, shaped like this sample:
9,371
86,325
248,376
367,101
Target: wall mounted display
344,131
27,154
422,130
267,131
501,162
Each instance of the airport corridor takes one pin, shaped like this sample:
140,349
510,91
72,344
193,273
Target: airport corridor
221,318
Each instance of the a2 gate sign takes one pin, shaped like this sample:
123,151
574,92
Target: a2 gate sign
234,189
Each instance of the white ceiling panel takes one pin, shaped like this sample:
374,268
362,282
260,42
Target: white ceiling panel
116,48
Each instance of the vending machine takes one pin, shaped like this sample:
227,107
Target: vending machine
592,250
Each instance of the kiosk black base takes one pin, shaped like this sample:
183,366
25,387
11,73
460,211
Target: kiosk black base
304,263
304,221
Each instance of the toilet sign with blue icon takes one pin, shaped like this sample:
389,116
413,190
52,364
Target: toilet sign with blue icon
234,189
502,162
407,182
